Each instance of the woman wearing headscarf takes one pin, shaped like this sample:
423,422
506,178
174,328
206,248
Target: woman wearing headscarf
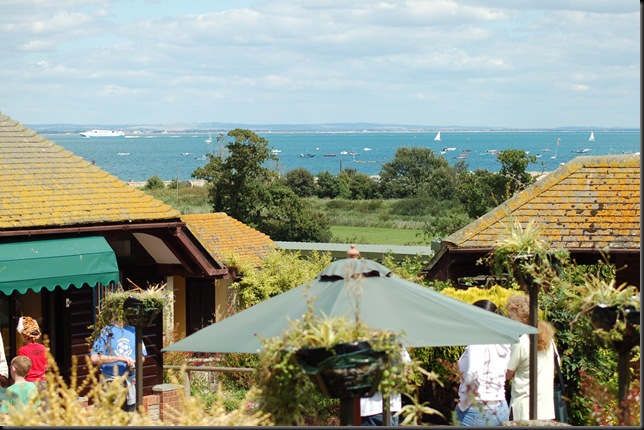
518,308
481,394
37,353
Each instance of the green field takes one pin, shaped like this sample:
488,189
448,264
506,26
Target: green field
377,235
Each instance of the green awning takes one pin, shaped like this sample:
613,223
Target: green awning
56,263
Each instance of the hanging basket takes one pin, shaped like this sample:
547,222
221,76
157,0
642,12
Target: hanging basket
347,370
606,318
138,314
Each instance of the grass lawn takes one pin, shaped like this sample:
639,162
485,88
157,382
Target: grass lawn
377,235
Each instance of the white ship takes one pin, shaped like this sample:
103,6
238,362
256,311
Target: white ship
102,133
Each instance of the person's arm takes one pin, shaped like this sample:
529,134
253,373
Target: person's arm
509,374
101,359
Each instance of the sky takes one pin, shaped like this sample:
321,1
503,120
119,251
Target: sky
498,63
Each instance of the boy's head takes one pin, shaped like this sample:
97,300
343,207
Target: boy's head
21,365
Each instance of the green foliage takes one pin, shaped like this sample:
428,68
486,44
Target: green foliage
410,171
523,256
280,272
357,186
514,163
329,186
496,294
479,192
239,180
111,306
282,382
301,181
154,183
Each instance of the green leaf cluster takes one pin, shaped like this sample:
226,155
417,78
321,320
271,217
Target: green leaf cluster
280,272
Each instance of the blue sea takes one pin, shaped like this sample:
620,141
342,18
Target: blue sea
169,156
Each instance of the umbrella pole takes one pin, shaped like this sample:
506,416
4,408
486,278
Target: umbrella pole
350,411
386,414
534,321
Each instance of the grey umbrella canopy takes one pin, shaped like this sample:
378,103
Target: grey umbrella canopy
382,300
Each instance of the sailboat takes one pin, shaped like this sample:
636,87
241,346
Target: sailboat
592,136
438,137
556,149
209,140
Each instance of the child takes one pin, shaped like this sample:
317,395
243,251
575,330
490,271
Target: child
22,391
37,353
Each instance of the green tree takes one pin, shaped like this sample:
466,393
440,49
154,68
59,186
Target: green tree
329,185
301,181
410,172
479,191
514,163
246,190
154,183
358,186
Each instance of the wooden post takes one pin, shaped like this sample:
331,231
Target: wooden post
139,366
534,321
350,411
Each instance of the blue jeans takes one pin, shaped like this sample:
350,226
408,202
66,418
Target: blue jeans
376,420
484,414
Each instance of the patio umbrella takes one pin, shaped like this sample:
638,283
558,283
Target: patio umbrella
362,287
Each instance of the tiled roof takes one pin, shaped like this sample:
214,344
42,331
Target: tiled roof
44,185
225,237
590,202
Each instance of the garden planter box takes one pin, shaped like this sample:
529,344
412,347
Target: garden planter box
346,370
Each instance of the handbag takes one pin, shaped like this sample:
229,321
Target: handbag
561,408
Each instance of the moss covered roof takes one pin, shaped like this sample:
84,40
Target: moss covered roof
228,239
589,202
44,185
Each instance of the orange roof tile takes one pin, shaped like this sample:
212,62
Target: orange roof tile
590,202
44,185
225,237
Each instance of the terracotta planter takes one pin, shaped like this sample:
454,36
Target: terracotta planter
138,314
347,370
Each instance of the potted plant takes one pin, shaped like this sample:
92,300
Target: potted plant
137,307
342,358
522,255
614,311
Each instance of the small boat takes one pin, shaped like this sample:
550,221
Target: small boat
367,149
582,151
102,133
354,153
592,136
329,155
449,149
343,153
123,153
186,153
209,140
307,155
276,151
438,137
463,155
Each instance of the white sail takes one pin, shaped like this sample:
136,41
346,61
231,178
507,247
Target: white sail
438,137
209,140
592,136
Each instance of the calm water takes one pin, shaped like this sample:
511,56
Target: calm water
169,156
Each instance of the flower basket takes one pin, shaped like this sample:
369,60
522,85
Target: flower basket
138,313
347,370
606,318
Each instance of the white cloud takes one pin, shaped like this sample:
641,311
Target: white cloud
455,61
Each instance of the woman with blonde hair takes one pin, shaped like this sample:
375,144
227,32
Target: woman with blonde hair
518,308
